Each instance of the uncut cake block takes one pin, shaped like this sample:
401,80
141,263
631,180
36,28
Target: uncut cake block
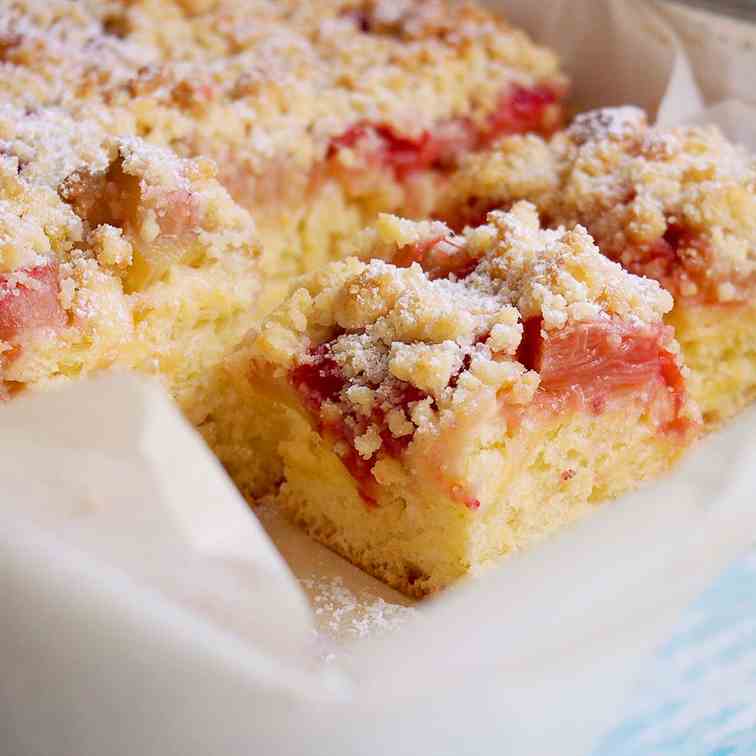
460,396
677,205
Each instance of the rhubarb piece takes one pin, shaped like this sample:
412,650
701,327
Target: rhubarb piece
29,300
518,110
677,205
441,415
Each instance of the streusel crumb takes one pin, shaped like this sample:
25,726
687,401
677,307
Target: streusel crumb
677,205
265,82
448,327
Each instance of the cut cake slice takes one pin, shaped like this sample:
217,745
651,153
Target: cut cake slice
460,396
115,253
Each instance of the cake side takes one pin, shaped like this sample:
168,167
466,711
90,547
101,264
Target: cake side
720,349
677,205
420,544
460,397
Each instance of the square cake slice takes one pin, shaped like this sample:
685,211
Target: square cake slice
115,253
677,205
458,397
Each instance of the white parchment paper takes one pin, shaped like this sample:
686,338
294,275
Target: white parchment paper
145,610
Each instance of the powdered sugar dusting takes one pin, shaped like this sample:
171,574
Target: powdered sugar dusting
607,123
342,614
348,605
676,205
262,80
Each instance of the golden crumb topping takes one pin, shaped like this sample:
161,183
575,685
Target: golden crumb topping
418,337
253,83
49,143
35,226
67,185
552,273
678,205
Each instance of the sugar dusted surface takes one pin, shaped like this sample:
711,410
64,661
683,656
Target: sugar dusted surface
349,606
264,82
519,270
356,616
413,349
678,205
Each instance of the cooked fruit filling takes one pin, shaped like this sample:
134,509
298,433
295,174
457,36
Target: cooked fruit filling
320,383
681,260
583,367
587,365
29,299
160,215
378,145
524,109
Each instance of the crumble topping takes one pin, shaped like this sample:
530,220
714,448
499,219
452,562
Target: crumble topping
35,226
678,205
380,353
254,84
619,123
49,143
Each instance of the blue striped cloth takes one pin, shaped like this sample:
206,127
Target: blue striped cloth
698,697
